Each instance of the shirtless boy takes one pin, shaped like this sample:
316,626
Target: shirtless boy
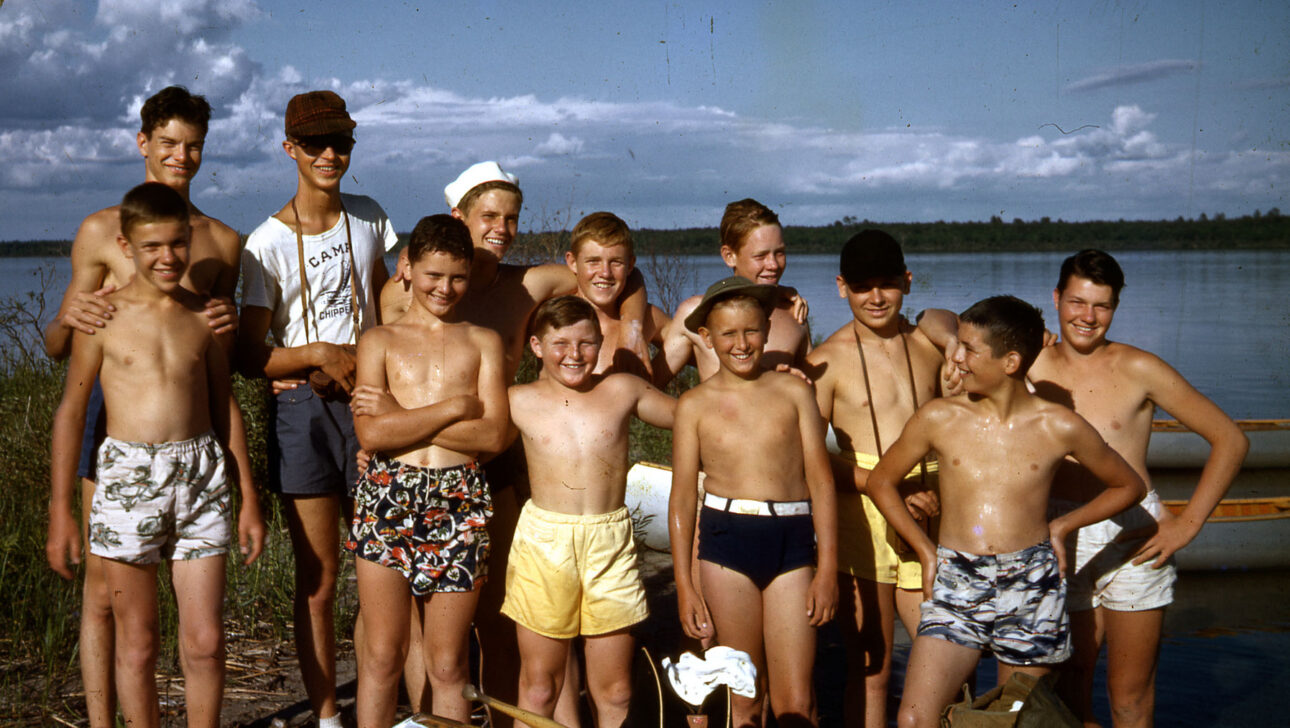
995,580
870,376
752,245
573,568
422,506
1123,573
310,276
502,297
602,258
171,140
163,472
768,515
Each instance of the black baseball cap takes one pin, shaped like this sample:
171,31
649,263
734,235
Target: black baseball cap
871,254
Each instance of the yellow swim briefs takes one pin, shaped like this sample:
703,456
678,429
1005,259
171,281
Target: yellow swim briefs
573,574
867,545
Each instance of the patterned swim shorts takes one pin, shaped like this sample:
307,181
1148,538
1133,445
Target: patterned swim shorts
429,524
1013,604
160,500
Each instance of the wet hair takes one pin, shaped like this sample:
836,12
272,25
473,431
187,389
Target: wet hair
174,102
151,202
1010,324
605,228
441,234
743,217
467,200
739,300
1095,265
562,311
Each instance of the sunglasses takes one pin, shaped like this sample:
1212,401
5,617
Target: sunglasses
316,145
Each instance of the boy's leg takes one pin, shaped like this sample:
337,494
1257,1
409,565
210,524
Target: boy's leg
1132,655
384,607
542,665
133,591
568,707
936,672
97,630
311,523
199,595
609,676
414,666
448,617
874,638
790,648
735,605
907,608
1075,678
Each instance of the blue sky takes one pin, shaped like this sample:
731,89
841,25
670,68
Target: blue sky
665,111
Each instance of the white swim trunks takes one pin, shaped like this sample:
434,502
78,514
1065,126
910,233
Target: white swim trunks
1105,575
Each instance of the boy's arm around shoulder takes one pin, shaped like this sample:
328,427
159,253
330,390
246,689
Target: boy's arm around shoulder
677,349
883,485
489,431
85,307
941,328
380,423
822,598
1228,446
1124,485
682,506
230,428
63,541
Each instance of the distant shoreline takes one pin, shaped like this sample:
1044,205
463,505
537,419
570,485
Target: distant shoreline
1270,231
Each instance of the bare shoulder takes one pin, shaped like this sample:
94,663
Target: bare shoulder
685,308
488,340
225,238
790,386
839,343
1138,363
98,231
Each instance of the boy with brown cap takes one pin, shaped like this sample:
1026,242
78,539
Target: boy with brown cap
311,274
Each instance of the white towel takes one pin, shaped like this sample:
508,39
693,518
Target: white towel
694,678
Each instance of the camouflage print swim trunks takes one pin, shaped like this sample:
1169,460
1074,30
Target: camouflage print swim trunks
1012,604
429,524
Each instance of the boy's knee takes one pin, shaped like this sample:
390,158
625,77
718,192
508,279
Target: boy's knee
447,667
613,694
383,661
203,644
138,653
795,708
538,690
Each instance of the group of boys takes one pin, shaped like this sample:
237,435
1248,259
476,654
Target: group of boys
936,509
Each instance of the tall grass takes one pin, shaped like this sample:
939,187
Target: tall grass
39,621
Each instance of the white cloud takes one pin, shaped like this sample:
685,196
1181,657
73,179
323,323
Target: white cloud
1133,74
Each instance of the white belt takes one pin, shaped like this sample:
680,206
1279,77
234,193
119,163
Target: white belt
746,507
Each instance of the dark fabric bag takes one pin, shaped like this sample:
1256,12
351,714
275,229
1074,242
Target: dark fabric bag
1041,708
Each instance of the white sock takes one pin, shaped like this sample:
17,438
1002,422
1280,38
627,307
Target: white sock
330,722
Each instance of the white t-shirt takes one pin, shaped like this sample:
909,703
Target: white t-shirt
271,274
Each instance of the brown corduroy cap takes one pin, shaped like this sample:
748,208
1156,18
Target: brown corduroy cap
317,113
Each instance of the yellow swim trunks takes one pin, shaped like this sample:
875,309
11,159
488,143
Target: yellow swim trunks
867,546
573,574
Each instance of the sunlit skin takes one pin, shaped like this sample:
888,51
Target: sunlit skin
569,354
761,257
493,220
1084,312
160,251
736,333
602,272
998,446
172,153
439,281
875,302
323,171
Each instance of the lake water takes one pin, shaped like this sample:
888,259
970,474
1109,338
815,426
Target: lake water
1219,317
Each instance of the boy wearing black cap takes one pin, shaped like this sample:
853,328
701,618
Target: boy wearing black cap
768,513
310,277
870,377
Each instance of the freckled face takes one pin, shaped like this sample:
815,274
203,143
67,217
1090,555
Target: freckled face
601,271
761,258
568,353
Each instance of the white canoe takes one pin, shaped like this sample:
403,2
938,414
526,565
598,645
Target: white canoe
648,488
1174,446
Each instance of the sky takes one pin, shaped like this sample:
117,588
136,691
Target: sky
663,112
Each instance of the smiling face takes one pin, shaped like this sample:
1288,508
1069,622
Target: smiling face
981,369
159,251
568,353
1084,312
439,280
601,271
875,302
321,161
493,220
761,257
736,332
172,153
